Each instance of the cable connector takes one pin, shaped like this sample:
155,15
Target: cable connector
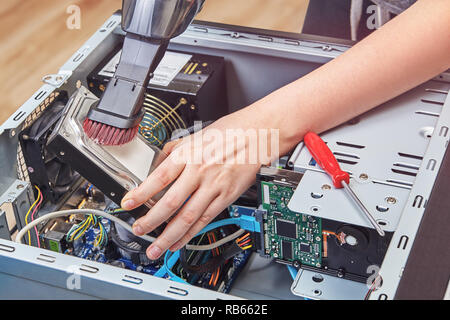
249,223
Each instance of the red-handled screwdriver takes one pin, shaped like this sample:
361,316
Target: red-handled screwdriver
341,179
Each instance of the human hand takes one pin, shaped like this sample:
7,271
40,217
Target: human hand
209,171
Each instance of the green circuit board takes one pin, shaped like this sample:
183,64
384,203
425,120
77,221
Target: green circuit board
289,236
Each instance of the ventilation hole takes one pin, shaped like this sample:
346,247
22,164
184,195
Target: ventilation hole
316,195
315,209
132,279
382,223
382,209
346,155
432,102
406,165
431,164
443,132
412,156
350,145
406,173
178,291
46,258
90,269
426,113
40,95
78,57
402,243
19,116
437,91
317,278
407,184
417,201
110,24
6,248
346,161
382,297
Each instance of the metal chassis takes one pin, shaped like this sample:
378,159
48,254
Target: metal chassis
98,280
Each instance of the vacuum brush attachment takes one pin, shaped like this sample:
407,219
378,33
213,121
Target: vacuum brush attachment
115,119
149,24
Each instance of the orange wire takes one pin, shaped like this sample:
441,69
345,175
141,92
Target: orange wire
212,274
217,277
245,235
329,232
214,239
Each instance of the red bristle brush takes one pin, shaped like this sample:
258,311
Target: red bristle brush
116,118
104,134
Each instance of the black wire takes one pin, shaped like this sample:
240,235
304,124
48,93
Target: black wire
212,264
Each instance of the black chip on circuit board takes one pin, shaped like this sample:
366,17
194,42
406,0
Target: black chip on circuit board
286,229
286,249
305,247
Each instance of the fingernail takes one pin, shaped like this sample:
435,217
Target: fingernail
129,204
154,252
137,229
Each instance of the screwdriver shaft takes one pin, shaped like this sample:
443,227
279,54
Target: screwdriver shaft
363,208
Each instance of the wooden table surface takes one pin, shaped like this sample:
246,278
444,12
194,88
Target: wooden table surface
35,40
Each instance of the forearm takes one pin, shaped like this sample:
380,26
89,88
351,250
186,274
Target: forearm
407,51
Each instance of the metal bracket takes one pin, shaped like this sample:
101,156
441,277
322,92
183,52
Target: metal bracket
4,229
20,197
382,154
313,285
57,80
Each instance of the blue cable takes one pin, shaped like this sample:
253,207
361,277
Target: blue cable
292,271
245,222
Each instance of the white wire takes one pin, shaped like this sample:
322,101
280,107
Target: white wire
88,212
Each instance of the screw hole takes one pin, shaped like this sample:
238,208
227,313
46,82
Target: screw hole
316,195
317,278
382,209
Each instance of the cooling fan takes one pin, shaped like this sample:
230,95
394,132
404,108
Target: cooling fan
160,120
45,170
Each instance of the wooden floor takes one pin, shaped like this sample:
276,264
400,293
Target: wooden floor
35,41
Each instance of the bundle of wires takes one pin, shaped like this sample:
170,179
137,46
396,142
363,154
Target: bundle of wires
92,221
35,207
215,252
244,242
375,284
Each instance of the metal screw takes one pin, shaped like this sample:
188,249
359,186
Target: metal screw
61,153
326,187
363,176
391,200
112,194
30,169
19,186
